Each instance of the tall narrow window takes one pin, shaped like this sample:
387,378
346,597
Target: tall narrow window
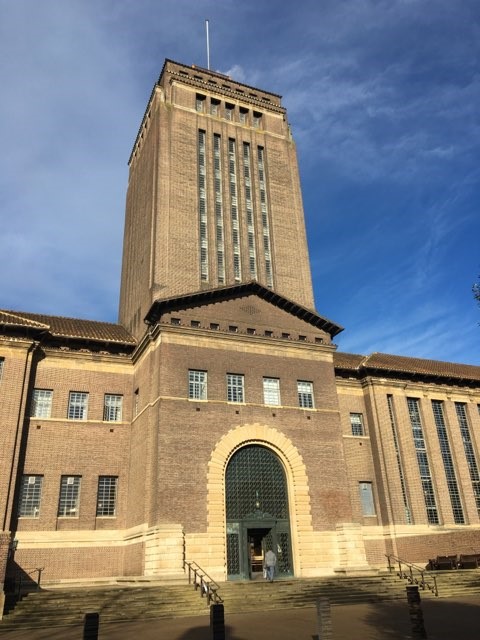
305,394
235,387
69,497
197,385
422,460
107,496
252,256
214,106
202,206
30,496
472,464
366,498
220,240
393,424
77,406
200,103
271,391
356,422
267,249
41,403
232,170
2,360
437,407
112,410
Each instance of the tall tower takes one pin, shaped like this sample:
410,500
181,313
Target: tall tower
214,195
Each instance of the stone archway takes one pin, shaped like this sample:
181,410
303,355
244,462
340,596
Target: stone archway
297,484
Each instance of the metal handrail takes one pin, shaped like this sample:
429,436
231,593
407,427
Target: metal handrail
201,580
413,574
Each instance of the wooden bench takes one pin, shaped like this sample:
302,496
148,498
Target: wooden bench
442,563
469,561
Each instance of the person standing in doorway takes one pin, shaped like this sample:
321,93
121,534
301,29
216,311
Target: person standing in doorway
270,562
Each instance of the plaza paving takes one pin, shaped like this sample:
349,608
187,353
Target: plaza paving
445,619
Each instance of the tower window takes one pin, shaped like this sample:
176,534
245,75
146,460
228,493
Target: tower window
356,423
107,496
77,406
41,403
112,410
69,497
30,496
200,103
214,106
197,385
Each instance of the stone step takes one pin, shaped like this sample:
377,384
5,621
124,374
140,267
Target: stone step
138,601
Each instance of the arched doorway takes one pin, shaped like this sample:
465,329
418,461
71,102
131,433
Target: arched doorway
257,513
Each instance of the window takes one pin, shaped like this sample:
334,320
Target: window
136,402
461,410
200,102
356,421
271,391
1,367
41,403
243,115
305,394
195,323
214,106
69,497
366,498
77,406
257,119
175,321
235,387
215,326
107,496
197,385
229,108
112,409
30,496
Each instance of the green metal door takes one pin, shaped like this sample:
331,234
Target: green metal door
256,500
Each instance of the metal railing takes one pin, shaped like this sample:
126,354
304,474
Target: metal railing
201,580
412,573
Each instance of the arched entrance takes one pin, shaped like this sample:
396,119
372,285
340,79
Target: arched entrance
256,513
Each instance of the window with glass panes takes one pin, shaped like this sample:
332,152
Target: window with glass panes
413,405
468,447
305,394
197,385
366,498
68,503
77,405
235,387
452,485
271,391
356,422
107,496
30,496
112,409
41,403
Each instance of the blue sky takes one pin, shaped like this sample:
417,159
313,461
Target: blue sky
383,100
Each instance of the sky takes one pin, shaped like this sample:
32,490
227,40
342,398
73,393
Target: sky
383,98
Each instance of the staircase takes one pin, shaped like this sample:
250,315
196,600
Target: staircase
65,607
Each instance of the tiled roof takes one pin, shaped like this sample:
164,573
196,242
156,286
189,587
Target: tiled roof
218,294
405,365
75,328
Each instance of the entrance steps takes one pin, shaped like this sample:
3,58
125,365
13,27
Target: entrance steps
67,607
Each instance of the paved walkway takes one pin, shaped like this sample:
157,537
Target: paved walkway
445,619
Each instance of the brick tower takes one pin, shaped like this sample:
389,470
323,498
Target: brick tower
214,195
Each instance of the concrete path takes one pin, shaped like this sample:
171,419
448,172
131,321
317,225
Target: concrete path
445,619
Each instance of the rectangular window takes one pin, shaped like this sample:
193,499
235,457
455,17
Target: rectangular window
69,497
243,115
136,402
112,408
413,405
197,385
2,360
200,102
77,406
214,106
229,109
356,421
30,496
235,387
461,410
305,394
41,403
257,119
366,498
271,391
107,496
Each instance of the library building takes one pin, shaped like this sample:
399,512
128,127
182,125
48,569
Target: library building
217,419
